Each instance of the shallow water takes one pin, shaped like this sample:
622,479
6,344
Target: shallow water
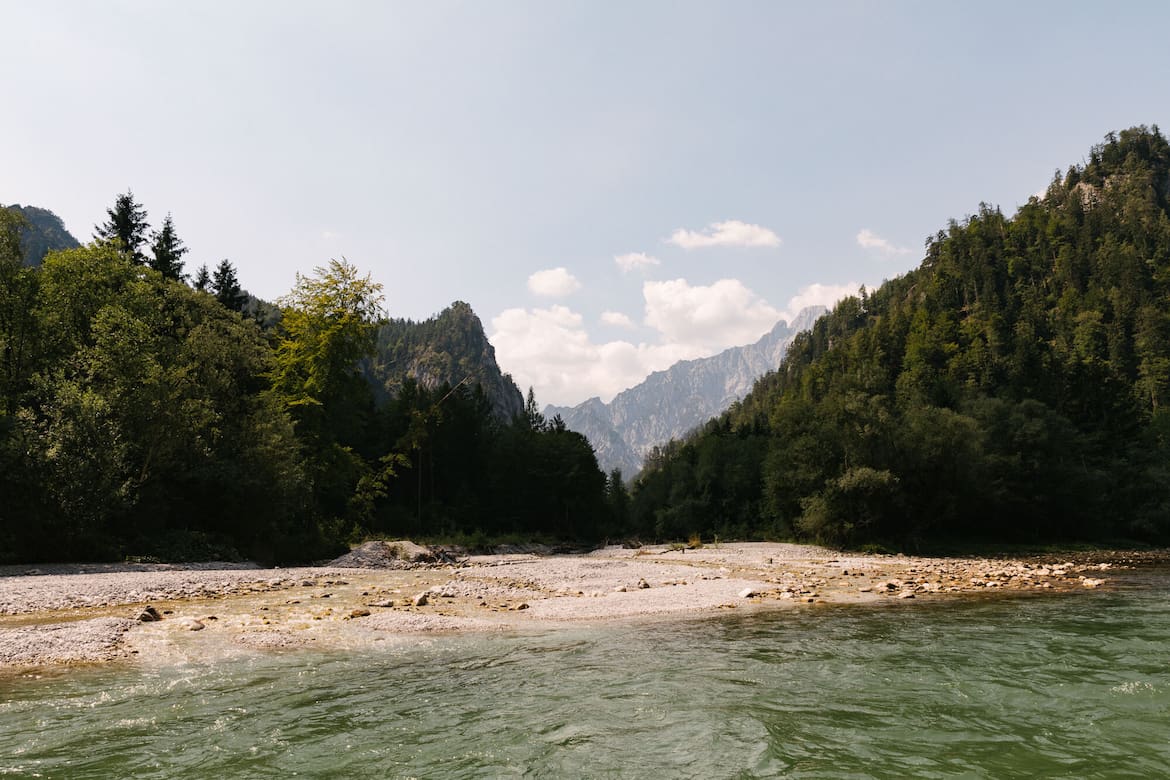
1056,686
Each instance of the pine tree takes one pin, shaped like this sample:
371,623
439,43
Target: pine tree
226,286
168,251
126,226
202,281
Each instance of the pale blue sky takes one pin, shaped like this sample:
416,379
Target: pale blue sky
453,150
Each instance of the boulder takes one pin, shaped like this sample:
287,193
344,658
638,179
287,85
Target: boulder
149,615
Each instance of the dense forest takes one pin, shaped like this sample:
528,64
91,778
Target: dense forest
1014,387
144,412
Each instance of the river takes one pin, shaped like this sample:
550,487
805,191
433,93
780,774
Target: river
1071,686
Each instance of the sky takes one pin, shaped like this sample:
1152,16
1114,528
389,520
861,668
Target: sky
612,186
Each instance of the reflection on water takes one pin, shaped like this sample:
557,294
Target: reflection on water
1073,686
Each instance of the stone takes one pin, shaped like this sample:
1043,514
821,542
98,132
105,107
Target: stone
191,624
906,594
149,615
747,593
359,613
642,584
620,589
420,600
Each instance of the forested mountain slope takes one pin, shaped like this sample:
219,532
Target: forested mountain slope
42,232
449,348
1014,386
141,416
668,404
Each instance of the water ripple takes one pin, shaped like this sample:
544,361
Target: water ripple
1055,687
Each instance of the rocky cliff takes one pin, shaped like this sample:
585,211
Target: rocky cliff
670,403
448,348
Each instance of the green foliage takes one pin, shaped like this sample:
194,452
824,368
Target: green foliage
142,418
125,227
225,285
1012,387
41,232
167,251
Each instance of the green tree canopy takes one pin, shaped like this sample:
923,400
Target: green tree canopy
125,226
167,251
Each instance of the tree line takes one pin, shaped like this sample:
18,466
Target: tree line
1014,387
143,413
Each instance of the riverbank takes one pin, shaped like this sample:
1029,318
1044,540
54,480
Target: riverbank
53,615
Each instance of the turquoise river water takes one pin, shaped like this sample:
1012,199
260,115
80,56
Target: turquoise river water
1074,686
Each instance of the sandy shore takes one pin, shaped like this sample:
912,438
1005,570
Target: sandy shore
52,615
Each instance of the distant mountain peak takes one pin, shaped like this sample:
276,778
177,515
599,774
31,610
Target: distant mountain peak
44,233
670,403
450,347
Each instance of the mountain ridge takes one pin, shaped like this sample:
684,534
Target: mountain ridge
448,348
669,403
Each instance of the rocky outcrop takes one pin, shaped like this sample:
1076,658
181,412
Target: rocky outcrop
670,403
449,348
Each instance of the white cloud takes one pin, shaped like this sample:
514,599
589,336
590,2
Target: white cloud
634,260
867,239
826,295
550,349
616,318
553,283
714,317
729,233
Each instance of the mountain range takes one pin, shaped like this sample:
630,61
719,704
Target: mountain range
668,404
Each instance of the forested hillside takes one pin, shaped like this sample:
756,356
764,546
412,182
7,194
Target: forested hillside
40,233
450,348
141,416
1015,386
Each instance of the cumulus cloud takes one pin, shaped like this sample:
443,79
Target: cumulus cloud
550,349
553,283
711,317
867,239
729,233
634,260
616,318
826,295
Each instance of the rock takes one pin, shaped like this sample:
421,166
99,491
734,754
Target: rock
747,593
191,624
420,600
359,613
149,615
1089,582
906,594
401,554
642,584
522,606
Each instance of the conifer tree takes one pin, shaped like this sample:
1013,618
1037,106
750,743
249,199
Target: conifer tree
226,286
202,280
126,226
168,251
